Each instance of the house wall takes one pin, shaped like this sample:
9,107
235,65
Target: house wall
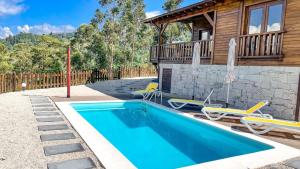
230,13
278,85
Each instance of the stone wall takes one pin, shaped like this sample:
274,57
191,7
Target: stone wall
122,86
279,85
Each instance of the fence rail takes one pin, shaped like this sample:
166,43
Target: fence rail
265,45
13,81
181,52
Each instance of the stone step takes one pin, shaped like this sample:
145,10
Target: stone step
42,105
40,102
62,149
47,113
293,164
53,127
83,163
49,119
62,136
45,109
42,98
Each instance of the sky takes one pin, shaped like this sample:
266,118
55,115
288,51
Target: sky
57,16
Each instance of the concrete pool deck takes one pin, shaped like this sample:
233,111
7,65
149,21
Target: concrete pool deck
21,146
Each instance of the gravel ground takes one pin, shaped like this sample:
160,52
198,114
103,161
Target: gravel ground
21,147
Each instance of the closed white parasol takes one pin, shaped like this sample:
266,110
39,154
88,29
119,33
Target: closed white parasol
230,76
195,63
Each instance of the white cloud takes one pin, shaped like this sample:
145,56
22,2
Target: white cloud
11,7
46,29
5,32
274,27
24,29
254,29
152,14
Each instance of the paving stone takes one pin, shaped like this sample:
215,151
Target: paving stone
46,113
44,109
41,102
294,164
83,163
62,136
42,105
38,97
63,148
41,98
50,119
52,127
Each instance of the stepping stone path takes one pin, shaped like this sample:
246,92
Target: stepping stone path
86,163
50,119
63,136
63,148
52,127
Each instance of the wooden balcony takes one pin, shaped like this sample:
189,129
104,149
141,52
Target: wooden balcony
261,46
181,52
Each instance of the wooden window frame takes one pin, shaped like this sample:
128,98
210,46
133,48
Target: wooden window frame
256,46
266,6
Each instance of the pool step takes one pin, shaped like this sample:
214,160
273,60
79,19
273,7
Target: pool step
50,119
63,148
83,163
52,137
53,127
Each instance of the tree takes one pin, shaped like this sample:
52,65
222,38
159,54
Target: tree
175,31
5,65
170,5
21,57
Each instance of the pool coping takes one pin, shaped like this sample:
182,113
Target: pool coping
112,158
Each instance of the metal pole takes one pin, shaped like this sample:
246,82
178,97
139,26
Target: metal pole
227,100
69,73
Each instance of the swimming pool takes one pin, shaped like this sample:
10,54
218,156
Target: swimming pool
151,136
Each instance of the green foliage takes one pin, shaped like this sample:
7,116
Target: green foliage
170,5
175,32
33,53
116,36
5,66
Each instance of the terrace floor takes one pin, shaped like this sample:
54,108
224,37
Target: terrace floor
21,146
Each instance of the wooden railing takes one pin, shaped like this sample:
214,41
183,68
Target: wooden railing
180,52
12,81
261,46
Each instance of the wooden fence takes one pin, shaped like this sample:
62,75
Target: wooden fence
13,81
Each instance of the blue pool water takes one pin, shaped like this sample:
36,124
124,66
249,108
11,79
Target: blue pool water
155,138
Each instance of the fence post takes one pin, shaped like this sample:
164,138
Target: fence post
119,73
14,82
139,71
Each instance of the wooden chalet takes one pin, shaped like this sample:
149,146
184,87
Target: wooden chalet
266,32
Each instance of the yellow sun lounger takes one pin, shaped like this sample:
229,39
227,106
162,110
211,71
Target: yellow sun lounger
152,87
221,112
179,103
270,123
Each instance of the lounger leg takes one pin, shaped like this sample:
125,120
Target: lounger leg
175,105
213,118
256,131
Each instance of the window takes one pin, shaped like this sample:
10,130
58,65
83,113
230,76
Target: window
266,17
205,35
274,18
255,21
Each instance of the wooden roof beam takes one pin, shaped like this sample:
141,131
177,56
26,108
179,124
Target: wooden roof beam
208,18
